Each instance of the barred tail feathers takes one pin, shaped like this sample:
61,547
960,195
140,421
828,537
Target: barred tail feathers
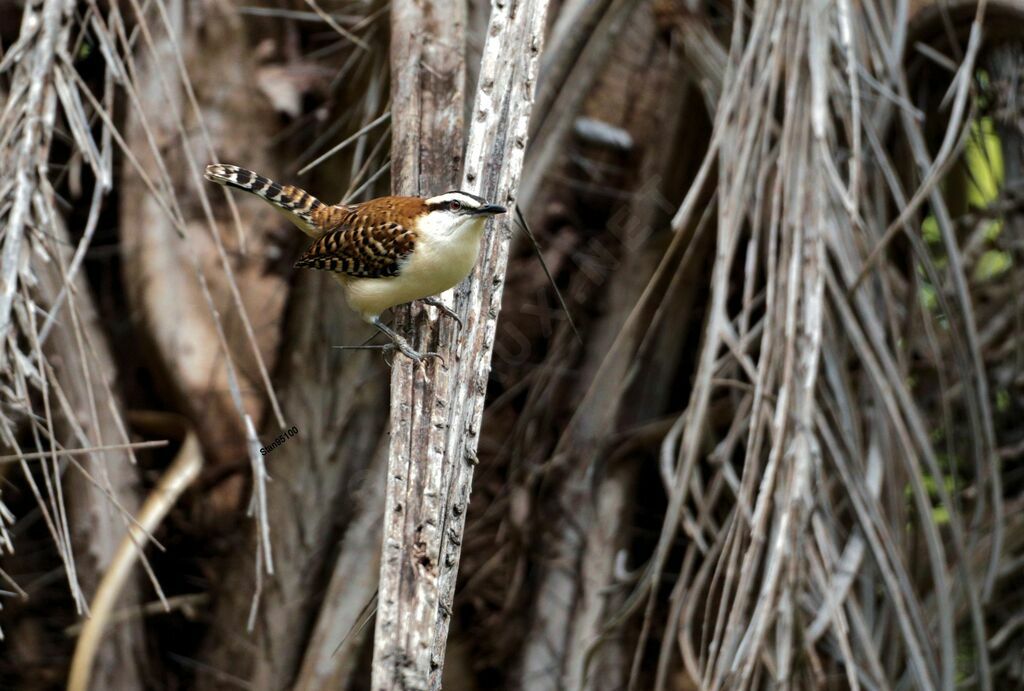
297,205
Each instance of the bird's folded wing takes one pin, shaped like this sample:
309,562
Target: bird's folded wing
364,251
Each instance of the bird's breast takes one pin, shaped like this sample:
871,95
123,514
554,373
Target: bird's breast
438,262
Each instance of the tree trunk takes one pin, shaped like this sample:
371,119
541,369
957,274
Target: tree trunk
436,411
428,76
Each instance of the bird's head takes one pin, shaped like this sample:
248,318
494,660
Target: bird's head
455,211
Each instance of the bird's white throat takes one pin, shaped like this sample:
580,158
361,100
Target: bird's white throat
444,224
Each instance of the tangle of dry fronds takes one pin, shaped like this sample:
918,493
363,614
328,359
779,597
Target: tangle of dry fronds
56,371
40,90
27,203
837,493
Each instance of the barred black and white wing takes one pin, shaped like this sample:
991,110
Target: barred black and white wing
363,251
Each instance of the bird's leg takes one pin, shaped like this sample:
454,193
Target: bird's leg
434,302
402,345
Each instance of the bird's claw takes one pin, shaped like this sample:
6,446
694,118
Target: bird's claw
401,345
445,309
416,356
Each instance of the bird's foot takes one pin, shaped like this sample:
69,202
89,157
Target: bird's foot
434,302
402,346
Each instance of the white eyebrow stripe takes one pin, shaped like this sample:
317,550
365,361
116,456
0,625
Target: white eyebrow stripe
464,199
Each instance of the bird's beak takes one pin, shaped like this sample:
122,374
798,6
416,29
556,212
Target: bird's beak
490,210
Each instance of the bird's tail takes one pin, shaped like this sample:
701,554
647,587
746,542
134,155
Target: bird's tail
300,207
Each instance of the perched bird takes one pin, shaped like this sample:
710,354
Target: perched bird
385,251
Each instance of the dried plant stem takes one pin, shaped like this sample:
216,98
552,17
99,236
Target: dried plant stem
175,480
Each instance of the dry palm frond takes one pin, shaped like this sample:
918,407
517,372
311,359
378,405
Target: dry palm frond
806,510
57,370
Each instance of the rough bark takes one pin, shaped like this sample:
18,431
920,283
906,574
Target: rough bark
427,102
436,411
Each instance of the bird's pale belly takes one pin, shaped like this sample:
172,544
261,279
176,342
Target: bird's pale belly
433,268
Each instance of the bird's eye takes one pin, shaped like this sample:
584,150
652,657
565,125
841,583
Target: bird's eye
454,206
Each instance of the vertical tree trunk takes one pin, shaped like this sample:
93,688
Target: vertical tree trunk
427,103
436,410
